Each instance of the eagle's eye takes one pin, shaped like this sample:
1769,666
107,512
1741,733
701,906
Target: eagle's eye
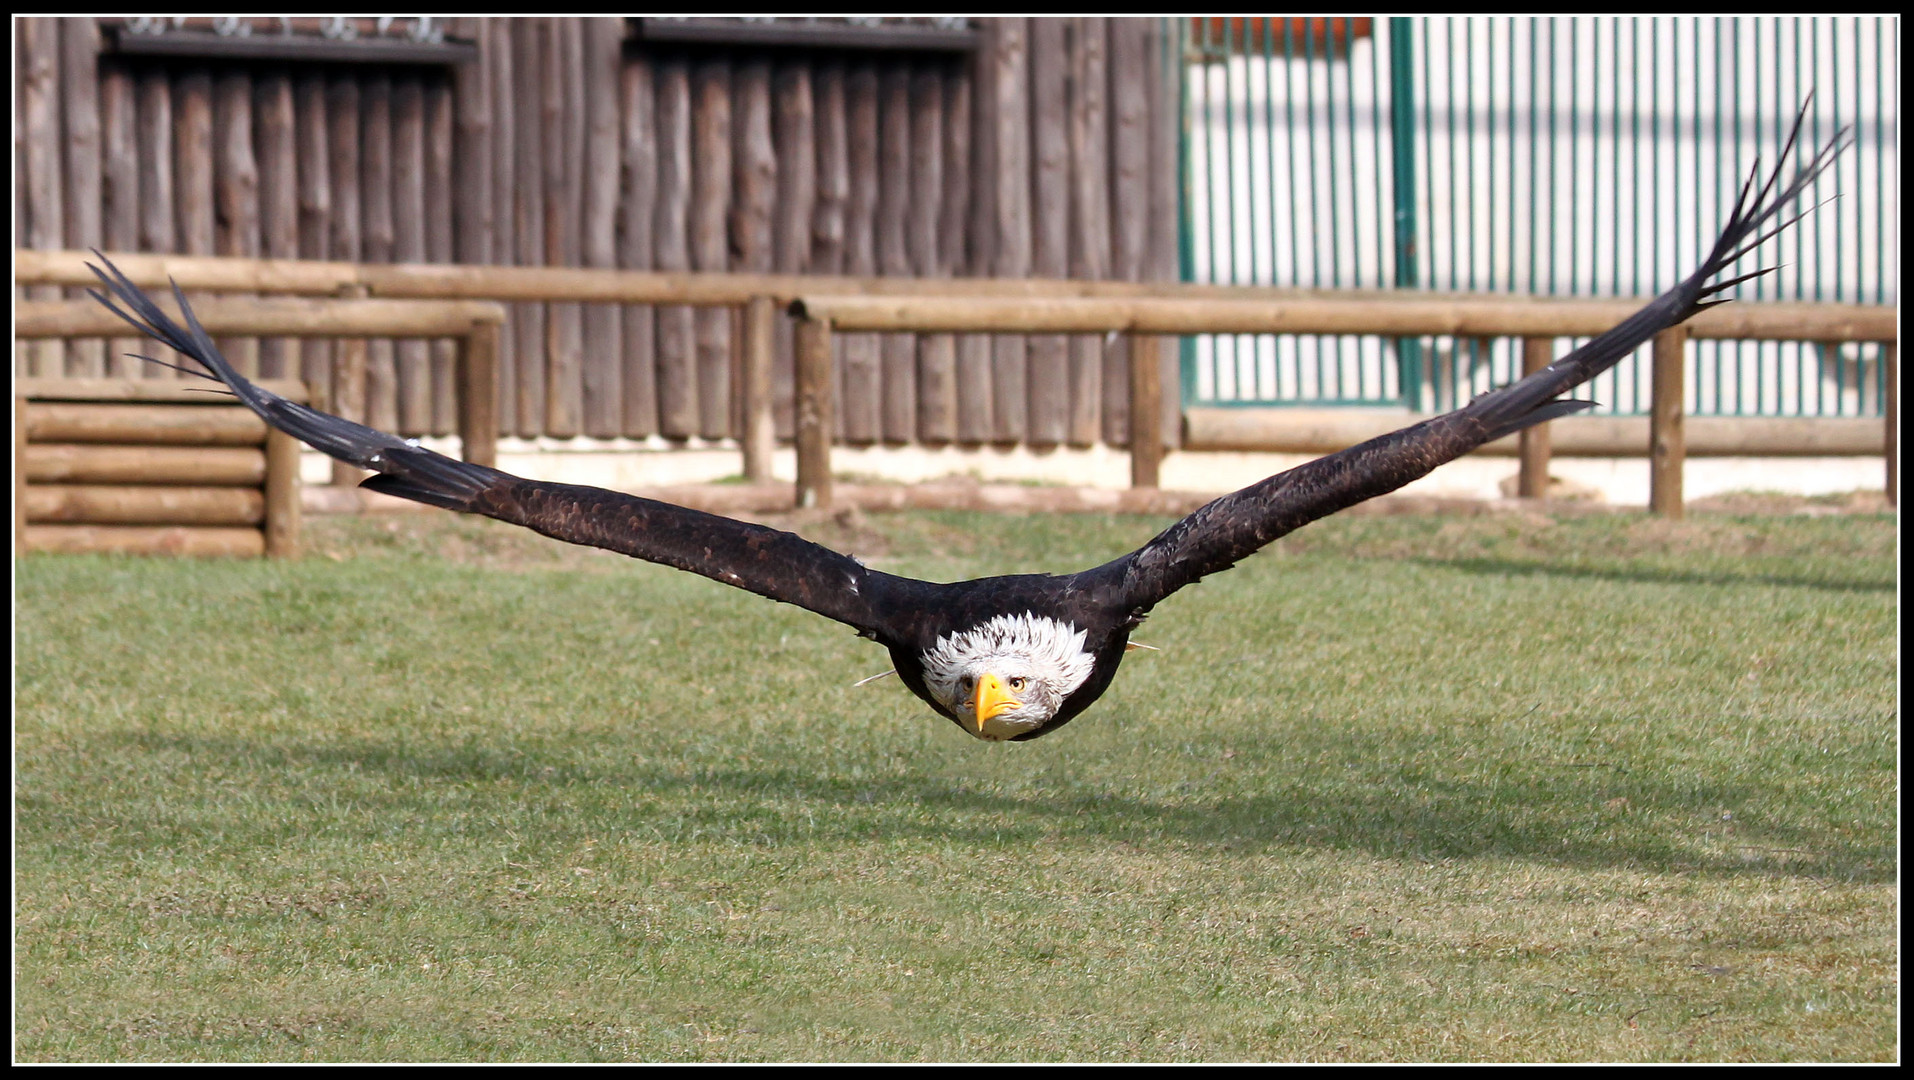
1017,682
966,681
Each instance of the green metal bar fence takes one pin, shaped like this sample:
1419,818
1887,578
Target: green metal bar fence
1571,156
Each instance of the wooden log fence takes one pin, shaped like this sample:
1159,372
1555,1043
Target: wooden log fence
144,466
1538,321
857,304
1326,429
474,324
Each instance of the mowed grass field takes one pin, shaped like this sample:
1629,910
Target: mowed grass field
1495,787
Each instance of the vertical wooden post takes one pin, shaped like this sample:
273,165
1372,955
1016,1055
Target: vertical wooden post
599,83
815,423
349,387
794,204
39,174
1891,378
411,363
1049,178
1146,413
639,130
859,400
378,239
710,237
760,433
478,393
1007,199
278,169
1667,441
282,495
1532,481
676,355
897,395
119,151
81,90
1087,105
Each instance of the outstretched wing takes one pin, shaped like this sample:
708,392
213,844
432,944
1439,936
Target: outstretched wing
762,560
1220,534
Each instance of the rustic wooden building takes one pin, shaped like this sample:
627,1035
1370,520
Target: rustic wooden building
1000,147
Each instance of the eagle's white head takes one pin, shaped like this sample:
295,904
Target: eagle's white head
1008,675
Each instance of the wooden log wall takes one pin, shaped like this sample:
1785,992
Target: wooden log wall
1048,151
148,467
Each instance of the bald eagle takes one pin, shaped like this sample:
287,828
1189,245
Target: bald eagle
1011,657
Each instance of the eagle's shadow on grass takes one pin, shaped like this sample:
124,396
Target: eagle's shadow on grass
1399,817
1646,576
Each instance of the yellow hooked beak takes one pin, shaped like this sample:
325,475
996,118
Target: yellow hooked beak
993,700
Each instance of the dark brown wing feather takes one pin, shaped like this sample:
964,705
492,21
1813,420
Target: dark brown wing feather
762,560
1225,531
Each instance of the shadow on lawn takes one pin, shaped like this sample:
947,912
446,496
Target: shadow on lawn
1587,815
1650,576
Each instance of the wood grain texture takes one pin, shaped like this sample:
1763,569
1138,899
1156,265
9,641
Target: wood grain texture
38,144
1165,123
795,135
440,208
80,120
677,376
412,373
1049,179
120,194
501,60
860,409
638,140
899,366
962,247
473,197
276,150
235,190
379,243
561,105
952,160
833,188
1131,66
1009,121
158,197
1092,382
346,380
710,247
603,371
528,212
1667,444
936,404
754,192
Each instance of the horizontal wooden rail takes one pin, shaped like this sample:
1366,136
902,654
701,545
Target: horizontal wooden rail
1327,430
1400,315
156,466
87,463
475,323
963,304
958,305
232,541
177,391
230,425
1538,320
275,316
145,504
215,273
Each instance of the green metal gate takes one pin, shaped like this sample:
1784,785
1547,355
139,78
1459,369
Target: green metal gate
1560,157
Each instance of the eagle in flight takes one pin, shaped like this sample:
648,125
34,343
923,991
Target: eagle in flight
1010,657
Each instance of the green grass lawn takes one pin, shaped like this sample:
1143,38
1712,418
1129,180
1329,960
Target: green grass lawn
1441,788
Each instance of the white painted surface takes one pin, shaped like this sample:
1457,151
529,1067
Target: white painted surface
624,464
